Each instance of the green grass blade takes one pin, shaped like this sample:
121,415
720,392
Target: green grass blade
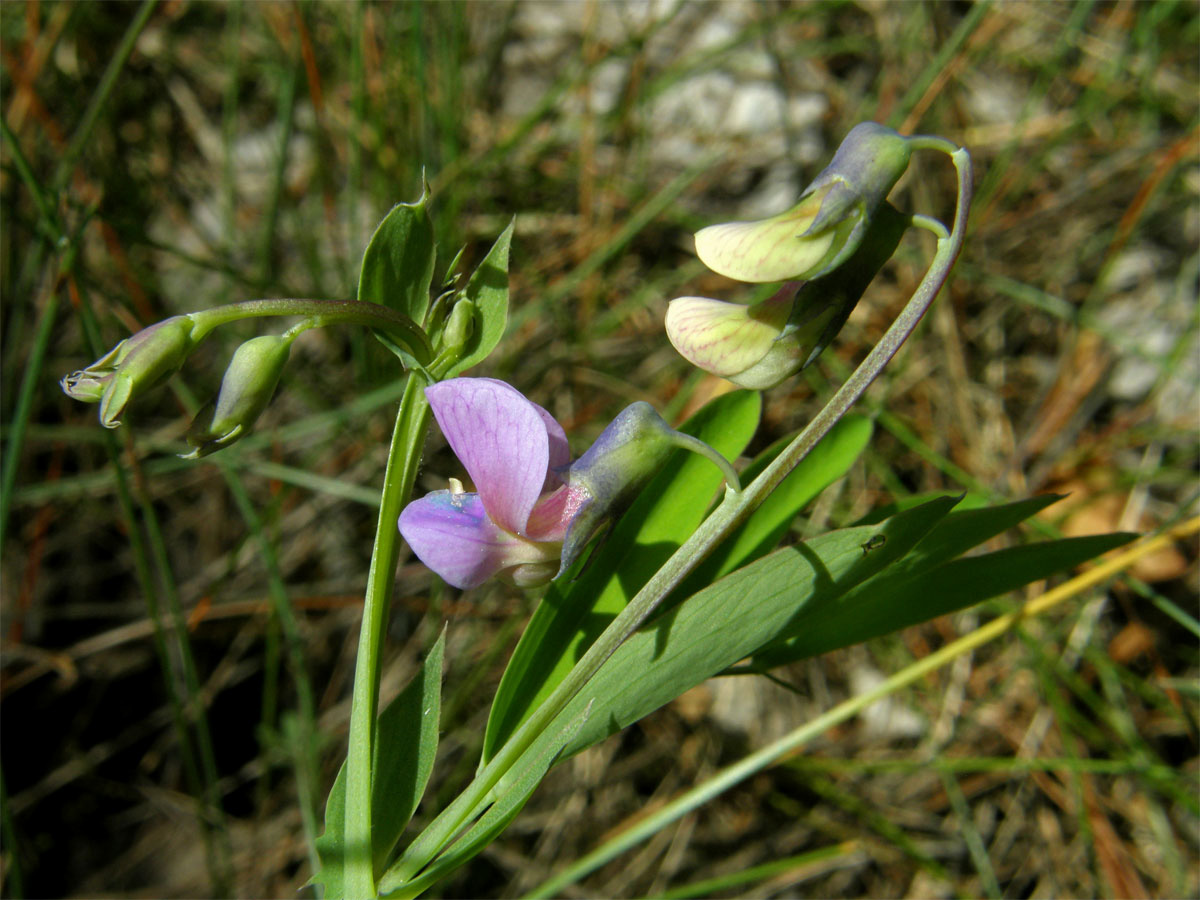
822,859
83,131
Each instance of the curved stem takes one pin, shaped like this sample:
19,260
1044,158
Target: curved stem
330,312
300,327
733,510
695,445
929,223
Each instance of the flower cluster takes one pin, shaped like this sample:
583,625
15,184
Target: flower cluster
828,248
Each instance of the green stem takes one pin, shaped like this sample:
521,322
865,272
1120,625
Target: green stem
697,446
733,511
30,380
351,312
848,709
412,421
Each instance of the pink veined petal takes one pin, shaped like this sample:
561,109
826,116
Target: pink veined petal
502,441
453,536
552,516
560,450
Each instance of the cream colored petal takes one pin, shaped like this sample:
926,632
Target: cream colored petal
721,338
773,249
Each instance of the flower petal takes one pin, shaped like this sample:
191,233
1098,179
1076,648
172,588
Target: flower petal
560,449
726,338
452,535
502,440
552,516
774,249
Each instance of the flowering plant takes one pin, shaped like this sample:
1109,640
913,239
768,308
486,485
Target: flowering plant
661,563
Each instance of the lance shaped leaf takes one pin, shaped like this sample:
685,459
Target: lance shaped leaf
397,266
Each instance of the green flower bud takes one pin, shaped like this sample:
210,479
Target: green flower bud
137,364
246,389
458,328
87,385
826,227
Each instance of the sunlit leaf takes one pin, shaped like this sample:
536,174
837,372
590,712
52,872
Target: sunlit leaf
734,617
397,267
895,600
758,535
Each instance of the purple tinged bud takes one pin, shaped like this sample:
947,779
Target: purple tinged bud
137,364
613,470
616,468
246,389
826,227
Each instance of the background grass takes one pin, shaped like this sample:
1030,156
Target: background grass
178,636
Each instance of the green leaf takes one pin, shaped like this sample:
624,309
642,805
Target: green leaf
736,616
894,601
928,584
573,613
487,289
758,535
966,528
826,593
397,266
526,775
406,741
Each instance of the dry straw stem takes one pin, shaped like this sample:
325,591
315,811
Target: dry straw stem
788,744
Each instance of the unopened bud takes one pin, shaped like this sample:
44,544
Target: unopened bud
459,326
617,467
246,389
137,364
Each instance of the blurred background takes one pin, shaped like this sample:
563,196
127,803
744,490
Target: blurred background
178,637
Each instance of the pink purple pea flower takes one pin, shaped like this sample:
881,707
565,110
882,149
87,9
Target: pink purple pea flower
532,511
